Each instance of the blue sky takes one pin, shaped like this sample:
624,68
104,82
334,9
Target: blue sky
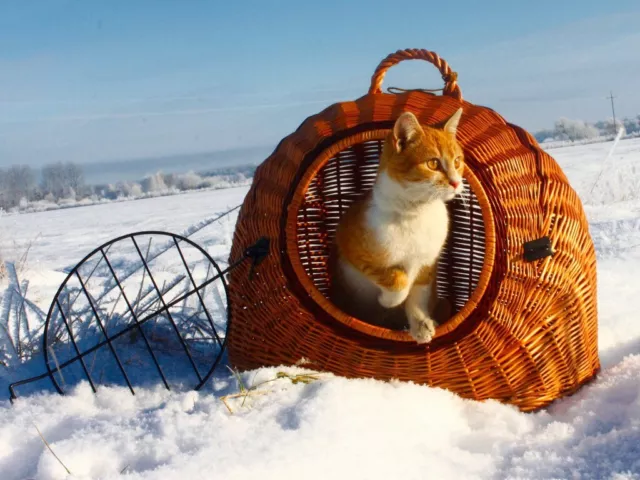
91,81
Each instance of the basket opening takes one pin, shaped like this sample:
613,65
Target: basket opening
347,174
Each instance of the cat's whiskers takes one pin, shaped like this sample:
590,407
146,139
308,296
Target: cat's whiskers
463,196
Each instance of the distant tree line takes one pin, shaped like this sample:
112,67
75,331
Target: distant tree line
64,184
167,183
572,130
19,185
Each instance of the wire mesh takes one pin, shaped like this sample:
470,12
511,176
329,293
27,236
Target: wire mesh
143,307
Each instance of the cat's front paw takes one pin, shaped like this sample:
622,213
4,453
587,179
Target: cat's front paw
421,327
391,299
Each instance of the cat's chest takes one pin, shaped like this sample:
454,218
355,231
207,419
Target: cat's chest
413,239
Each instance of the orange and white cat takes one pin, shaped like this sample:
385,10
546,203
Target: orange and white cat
388,242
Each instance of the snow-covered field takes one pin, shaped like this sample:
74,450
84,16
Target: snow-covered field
330,427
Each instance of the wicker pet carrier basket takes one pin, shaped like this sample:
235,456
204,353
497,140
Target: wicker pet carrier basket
519,265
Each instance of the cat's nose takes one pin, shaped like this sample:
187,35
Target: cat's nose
453,183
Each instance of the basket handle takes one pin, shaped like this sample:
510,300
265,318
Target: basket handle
450,77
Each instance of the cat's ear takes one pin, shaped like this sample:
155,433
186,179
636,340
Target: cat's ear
452,124
405,130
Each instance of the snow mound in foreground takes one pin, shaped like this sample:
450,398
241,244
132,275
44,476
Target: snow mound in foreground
329,428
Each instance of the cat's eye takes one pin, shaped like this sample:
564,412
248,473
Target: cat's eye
433,164
456,163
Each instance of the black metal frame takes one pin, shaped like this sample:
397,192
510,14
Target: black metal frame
256,252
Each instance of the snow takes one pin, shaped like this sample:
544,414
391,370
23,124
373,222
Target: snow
57,240
61,238
331,427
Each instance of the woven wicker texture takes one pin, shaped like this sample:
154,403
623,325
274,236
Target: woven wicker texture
522,332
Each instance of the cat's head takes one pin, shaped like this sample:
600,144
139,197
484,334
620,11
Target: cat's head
427,161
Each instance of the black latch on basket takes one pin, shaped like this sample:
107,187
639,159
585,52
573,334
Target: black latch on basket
257,252
537,249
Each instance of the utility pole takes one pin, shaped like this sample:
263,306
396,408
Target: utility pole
613,110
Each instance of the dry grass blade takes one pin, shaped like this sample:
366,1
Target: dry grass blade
51,450
244,396
253,389
55,359
238,378
144,274
300,378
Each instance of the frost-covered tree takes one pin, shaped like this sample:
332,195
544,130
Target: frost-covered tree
53,180
16,183
619,124
135,190
154,184
69,193
188,181
606,126
74,176
543,135
59,177
126,189
568,129
170,180
632,125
